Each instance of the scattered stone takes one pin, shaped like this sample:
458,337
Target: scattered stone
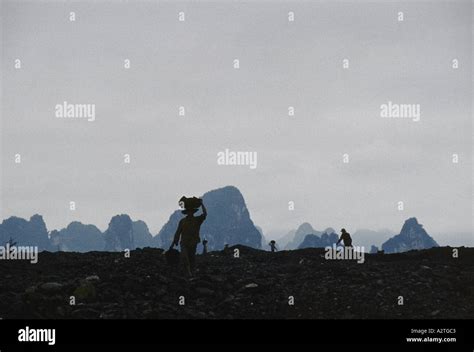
93,278
86,313
51,287
257,286
30,290
85,292
204,291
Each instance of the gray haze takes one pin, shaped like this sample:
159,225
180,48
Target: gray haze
282,64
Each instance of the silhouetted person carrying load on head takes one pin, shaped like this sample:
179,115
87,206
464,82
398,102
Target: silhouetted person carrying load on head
345,238
188,231
273,246
204,247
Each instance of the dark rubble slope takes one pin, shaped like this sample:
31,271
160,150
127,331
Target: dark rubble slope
256,285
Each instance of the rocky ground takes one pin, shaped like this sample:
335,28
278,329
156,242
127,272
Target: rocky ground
432,283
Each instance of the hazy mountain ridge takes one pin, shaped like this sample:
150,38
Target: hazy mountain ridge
325,240
78,237
301,232
31,232
412,236
228,222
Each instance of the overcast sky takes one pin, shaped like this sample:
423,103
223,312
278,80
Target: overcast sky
282,64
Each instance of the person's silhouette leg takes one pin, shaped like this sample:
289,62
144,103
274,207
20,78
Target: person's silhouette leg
192,257
185,259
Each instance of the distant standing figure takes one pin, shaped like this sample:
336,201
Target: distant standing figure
345,238
272,245
188,231
204,244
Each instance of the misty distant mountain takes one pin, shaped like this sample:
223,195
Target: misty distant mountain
78,237
412,236
26,233
119,234
328,238
228,222
300,234
368,238
264,239
373,249
141,234
285,239
455,239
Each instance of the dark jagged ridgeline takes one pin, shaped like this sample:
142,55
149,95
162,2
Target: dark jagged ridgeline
119,234
299,238
141,234
264,241
123,233
228,222
367,238
26,233
314,241
412,236
299,235
78,237
374,249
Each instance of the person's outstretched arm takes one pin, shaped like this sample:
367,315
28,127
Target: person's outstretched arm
203,216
